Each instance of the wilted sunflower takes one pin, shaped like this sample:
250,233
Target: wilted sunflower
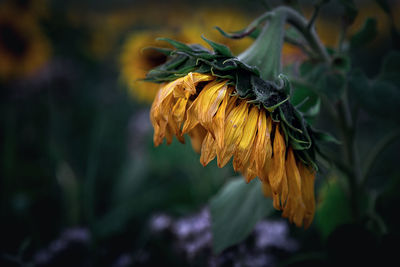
239,108
23,47
230,112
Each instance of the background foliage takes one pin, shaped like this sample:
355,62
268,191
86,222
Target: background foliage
81,183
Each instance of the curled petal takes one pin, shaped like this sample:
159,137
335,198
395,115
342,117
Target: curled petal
234,125
307,188
244,148
294,208
197,136
266,189
263,147
208,152
276,166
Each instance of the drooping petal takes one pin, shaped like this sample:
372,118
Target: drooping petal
294,208
206,104
263,147
218,124
191,119
179,110
266,189
244,148
159,117
208,151
307,188
276,166
169,134
284,190
249,171
189,83
197,136
199,107
234,125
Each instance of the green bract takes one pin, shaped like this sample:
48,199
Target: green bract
272,95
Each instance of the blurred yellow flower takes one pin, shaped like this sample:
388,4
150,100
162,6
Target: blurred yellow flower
230,20
34,8
224,126
329,27
136,62
23,46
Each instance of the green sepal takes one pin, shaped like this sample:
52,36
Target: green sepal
325,137
164,51
219,48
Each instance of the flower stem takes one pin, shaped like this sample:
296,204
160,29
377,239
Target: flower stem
265,52
307,30
347,125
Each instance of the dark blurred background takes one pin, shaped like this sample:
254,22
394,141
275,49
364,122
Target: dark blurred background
81,183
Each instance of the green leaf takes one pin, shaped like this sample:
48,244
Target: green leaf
325,137
219,48
235,210
305,99
367,34
165,51
334,208
391,68
379,97
332,84
176,44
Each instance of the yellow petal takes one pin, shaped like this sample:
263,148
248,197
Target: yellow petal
208,152
249,171
266,189
159,118
206,104
189,83
262,148
200,106
234,125
169,134
307,189
191,119
246,144
276,166
179,110
197,136
284,190
218,124
294,208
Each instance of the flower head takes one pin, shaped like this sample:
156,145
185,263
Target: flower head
231,110
224,126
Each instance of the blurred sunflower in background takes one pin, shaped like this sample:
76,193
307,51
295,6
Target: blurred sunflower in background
35,8
206,19
136,62
23,46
